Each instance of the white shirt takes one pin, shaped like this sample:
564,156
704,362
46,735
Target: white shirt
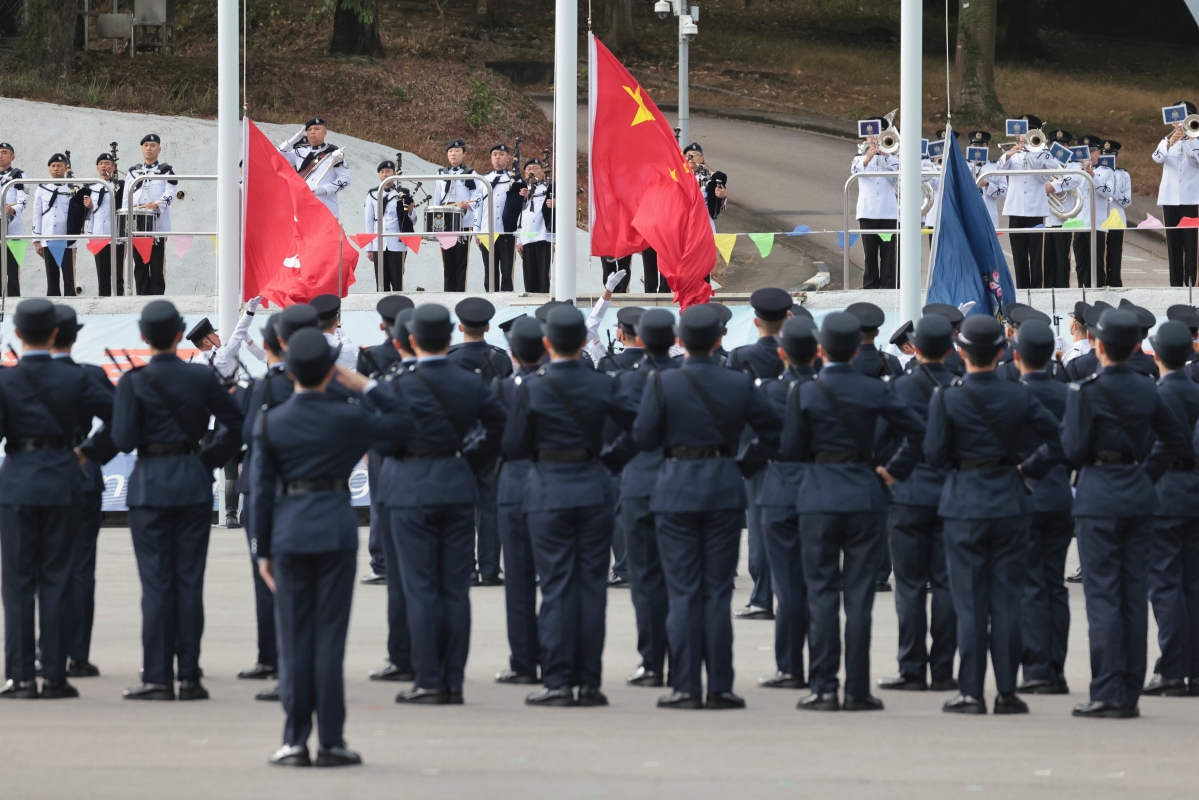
391,218
995,189
1026,193
500,183
50,204
161,191
17,197
448,192
1180,172
324,183
876,196
1079,348
99,217
533,226
348,357
1121,197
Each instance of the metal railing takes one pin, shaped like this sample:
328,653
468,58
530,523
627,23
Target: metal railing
130,187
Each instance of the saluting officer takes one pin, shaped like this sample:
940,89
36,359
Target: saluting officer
44,403
156,194
697,414
162,411
14,204
626,334
307,151
399,214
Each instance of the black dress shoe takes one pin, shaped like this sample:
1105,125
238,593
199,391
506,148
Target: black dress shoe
57,690
689,702
1165,687
373,579
149,691
82,669
947,685
867,703
820,701
337,757
1097,710
882,586
454,697
717,701
495,581
645,677
591,696
615,580
19,690
258,672
424,697
965,704
231,521
903,683
1075,576
753,612
782,680
290,755
1009,703
1193,687
508,676
270,695
1043,687
192,690
562,696
394,674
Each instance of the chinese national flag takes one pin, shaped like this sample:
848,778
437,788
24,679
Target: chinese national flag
643,194
293,242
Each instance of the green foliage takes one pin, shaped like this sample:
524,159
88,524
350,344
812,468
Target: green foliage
47,37
482,105
402,94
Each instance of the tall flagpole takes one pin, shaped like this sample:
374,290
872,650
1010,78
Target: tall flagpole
228,151
566,146
910,195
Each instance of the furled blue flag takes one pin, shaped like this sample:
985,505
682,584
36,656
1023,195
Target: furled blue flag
968,263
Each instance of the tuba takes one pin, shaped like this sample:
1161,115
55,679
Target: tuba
1065,205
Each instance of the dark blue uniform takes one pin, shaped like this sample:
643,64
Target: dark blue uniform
875,363
376,362
1082,367
698,502
162,411
1112,505
399,638
557,420
304,451
842,511
614,365
985,507
40,492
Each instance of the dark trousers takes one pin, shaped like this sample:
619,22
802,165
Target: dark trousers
151,278
570,549
36,556
987,572
14,273
54,269
1026,252
1115,577
171,546
520,591
699,559
1114,256
1045,614
83,577
315,591
380,519
104,270
762,593
620,539
487,546
840,548
884,560
655,282
232,496
264,612
435,552
881,256
453,266
1174,593
1182,245
1055,259
1082,258
780,528
399,639
611,265
505,255
389,275
918,551
535,261
647,584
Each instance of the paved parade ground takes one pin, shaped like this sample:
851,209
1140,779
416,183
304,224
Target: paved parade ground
101,747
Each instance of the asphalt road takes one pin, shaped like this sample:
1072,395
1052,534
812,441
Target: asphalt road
100,747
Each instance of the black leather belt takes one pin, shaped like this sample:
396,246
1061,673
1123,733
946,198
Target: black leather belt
153,449
316,485
1183,465
430,453
566,456
696,453
21,444
1111,457
834,457
967,464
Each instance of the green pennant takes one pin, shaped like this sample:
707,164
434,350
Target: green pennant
1074,223
18,248
886,237
764,241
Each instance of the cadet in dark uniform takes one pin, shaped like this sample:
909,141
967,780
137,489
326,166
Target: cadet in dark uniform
83,570
697,414
520,572
830,422
1174,554
720,354
780,515
626,334
760,361
1141,361
1045,615
953,359
1105,436
44,403
374,362
1009,367
1188,316
474,318
915,531
430,488
162,411
557,420
985,508
306,534
1086,365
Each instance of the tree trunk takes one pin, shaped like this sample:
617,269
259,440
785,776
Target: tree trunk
486,13
356,29
619,35
974,69
47,38
1020,38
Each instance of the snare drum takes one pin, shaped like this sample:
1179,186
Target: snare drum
443,219
144,221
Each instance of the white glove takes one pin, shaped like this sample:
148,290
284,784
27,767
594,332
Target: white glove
965,307
253,304
296,137
614,279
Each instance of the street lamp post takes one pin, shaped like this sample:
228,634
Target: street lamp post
688,14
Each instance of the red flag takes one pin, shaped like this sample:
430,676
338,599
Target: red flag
294,244
643,194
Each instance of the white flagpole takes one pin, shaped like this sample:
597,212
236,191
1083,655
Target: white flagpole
566,146
910,195
228,151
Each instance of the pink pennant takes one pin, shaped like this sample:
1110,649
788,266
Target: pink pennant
143,245
94,246
363,239
1151,222
182,244
412,242
447,240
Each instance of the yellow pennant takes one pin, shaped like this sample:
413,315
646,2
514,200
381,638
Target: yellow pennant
724,245
216,248
1114,220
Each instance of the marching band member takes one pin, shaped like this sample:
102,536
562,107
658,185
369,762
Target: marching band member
50,218
1104,180
929,168
1178,196
307,151
1055,255
399,214
877,208
1026,206
15,202
100,203
993,187
465,195
156,194
1120,200
507,216
536,231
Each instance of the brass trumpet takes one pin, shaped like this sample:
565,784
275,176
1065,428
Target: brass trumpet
1190,126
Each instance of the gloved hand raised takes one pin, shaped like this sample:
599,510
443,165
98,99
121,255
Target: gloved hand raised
614,279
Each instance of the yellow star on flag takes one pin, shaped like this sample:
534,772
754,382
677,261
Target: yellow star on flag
674,175
643,113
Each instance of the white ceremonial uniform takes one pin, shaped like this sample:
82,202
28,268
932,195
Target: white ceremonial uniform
99,217
532,217
224,359
325,184
1180,172
17,197
1065,183
391,219
1121,197
1026,193
161,191
995,189
876,196
50,203
448,192
927,169
1081,347
348,357
500,183
1105,190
